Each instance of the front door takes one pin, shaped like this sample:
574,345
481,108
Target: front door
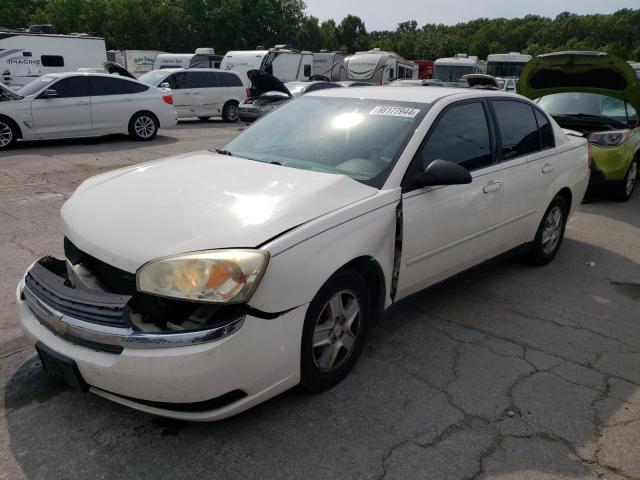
205,92
447,229
182,94
68,114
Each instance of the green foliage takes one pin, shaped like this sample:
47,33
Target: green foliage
183,25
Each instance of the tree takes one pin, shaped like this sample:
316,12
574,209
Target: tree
17,13
353,34
309,36
329,33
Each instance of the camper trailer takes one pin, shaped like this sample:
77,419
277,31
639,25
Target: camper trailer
378,67
26,55
506,65
328,64
282,61
137,62
454,68
202,58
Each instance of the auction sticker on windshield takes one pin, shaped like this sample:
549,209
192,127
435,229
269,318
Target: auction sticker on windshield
405,112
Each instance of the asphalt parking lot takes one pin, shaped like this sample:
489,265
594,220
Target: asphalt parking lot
508,372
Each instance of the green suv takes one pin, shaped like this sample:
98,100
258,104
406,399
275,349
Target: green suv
597,95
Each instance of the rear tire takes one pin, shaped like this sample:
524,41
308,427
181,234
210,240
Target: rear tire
143,126
230,112
8,133
624,190
334,331
550,233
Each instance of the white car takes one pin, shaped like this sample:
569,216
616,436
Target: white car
201,92
212,281
83,104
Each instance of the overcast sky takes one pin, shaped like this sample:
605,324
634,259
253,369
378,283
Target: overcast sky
386,14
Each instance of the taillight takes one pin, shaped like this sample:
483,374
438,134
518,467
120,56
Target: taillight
589,155
168,99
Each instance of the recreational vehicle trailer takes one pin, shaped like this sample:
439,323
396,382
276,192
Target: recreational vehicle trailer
25,56
454,68
506,65
137,62
328,64
202,58
283,62
378,67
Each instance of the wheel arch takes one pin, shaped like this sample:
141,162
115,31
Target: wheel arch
148,112
567,196
372,272
15,124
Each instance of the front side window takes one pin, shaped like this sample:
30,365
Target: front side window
71,87
52,61
518,128
460,135
177,81
360,138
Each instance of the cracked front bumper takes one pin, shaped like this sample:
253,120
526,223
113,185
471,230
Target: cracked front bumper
261,359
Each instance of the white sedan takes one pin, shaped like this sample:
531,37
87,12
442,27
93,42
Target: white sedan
212,281
82,104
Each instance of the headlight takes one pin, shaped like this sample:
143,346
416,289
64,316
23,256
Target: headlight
217,276
611,138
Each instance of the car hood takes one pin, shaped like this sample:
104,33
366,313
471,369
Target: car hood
197,201
262,82
591,72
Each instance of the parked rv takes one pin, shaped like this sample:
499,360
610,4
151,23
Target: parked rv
25,56
454,68
378,67
506,65
425,69
328,64
283,62
137,62
201,93
202,58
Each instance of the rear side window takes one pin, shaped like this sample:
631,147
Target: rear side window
461,135
229,80
133,87
177,81
52,61
202,79
547,138
71,87
109,86
518,128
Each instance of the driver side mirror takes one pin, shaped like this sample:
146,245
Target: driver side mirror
49,93
165,85
442,172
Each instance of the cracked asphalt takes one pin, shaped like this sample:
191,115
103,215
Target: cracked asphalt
507,372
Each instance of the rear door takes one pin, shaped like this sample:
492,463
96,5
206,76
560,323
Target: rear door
182,94
206,94
68,114
112,103
447,229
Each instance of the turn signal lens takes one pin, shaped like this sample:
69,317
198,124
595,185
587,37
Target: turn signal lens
218,276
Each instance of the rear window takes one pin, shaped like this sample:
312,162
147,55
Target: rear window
546,132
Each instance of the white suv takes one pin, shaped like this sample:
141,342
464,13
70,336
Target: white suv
202,92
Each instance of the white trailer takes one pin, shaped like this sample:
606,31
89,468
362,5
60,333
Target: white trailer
202,58
284,63
452,69
26,56
378,67
506,65
137,62
328,64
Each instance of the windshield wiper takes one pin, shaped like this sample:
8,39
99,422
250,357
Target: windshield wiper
224,152
588,116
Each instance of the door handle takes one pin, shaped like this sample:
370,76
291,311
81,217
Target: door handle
82,103
127,100
548,167
492,187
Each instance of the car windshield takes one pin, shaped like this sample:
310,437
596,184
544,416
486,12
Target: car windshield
154,77
35,86
360,138
588,104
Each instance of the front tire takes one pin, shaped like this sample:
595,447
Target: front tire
550,233
230,112
624,191
8,133
143,126
334,331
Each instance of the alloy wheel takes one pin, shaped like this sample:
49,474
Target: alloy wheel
336,330
144,126
552,230
631,178
232,112
6,134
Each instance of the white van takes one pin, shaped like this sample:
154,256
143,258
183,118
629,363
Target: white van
452,69
202,58
328,64
378,67
284,63
201,92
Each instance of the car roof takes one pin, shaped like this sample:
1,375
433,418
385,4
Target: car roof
426,94
180,69
88,74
